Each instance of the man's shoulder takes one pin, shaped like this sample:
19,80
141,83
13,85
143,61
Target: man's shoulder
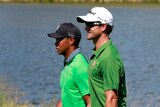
79,62
80,58
110,50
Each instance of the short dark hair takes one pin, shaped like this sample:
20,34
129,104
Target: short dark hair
77,41
109,29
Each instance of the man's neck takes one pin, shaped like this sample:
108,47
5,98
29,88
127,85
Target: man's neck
100,41
71,49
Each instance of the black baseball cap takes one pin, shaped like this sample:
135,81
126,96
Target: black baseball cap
66,30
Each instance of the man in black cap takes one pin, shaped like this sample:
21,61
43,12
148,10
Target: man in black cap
74,78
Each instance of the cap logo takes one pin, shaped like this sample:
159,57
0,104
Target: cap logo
101,19
57,27
92,12
70,34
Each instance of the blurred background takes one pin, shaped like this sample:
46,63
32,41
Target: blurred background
29,62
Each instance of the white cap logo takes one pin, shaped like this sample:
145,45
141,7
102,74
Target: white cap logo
58,27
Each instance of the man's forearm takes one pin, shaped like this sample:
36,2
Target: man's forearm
87,100
111,98
59,104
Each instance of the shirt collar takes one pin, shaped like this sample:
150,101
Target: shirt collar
98,52
72,55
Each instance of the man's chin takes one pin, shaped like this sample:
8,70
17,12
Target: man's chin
58,53
89,38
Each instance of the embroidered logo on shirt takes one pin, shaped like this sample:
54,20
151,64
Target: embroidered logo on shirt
94,63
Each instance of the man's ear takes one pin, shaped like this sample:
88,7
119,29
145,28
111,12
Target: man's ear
71,41
104,26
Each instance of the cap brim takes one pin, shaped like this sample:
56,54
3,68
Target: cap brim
55,35
87,18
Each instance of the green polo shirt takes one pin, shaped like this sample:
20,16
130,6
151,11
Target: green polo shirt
106,72
74,80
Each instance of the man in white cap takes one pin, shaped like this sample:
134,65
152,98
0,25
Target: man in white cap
106,70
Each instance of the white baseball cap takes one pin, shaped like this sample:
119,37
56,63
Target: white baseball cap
97,14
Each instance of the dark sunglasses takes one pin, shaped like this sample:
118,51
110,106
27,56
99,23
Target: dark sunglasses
92,24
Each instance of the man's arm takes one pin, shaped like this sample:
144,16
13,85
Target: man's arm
59,104
111,98
87,100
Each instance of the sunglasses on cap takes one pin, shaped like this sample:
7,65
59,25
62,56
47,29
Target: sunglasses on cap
92,24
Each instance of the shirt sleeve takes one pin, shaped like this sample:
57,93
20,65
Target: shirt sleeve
81,80
110,71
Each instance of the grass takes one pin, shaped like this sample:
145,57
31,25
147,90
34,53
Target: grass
9,96
5,103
